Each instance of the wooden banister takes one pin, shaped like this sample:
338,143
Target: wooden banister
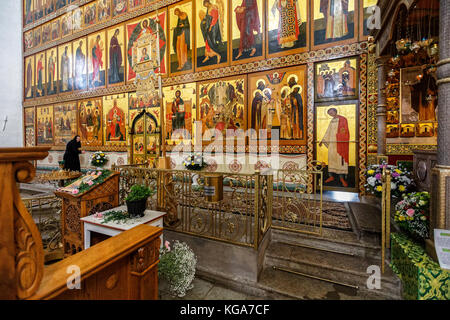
122,267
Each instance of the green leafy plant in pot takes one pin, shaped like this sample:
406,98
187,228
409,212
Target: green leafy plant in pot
137,200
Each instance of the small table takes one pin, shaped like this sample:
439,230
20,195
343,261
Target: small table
92,224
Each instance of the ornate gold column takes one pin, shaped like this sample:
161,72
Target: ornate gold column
382,63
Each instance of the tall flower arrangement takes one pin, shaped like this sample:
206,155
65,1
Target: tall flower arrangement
413,212
401,182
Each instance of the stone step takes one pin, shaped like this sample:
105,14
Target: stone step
335,240
294,286
365,220
341,268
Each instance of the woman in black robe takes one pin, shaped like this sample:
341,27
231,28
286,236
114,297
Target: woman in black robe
72,155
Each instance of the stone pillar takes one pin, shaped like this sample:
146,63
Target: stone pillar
382,63
440,184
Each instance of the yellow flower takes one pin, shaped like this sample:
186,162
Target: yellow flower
398,171
401,218
401,188
102,154
379,188
370,172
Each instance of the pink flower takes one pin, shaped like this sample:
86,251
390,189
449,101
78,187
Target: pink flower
410,212
99,173
98,215
75,191
378,176
167,245
90,183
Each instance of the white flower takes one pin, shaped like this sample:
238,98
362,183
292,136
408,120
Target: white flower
393,186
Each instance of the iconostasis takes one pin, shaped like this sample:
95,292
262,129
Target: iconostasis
241,64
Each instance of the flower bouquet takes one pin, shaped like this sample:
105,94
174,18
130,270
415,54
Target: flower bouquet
195,162
177,266
99,159
412,214
401,182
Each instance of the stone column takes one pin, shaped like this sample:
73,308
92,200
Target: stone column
440,183
382,63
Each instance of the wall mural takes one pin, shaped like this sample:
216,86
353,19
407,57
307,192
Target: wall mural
337,80
212,34
336,147
90,122
334,22
288,27
180,111
65,125
115,114
277,100
44,125
221,106
181,37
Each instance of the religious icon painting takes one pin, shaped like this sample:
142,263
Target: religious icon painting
103,10
212,34
116,55
52,71
287,27
46,33
28,9
77,19
56,29
40,74
28,40
37,36
140,28
119,7
334,22
65,75
392,117
115,114
180,112
44,125
336,147
29,79
50,6
89,14
247,30
61,4
181,37
29,121
337,80
134,5
133,107
97,60
38,9
65,124
79,64
277,100
392,131
221,106
90,121
407,130
425,129
66,25
366,18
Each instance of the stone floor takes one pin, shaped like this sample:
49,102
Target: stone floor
205,290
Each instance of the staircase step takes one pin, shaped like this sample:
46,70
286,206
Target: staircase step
367,218
329,265
334,240
294,286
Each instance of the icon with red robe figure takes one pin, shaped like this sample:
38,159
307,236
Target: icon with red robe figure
98,77
116,124
249,25
337,140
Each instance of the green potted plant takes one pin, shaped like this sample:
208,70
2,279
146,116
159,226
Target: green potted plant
137,200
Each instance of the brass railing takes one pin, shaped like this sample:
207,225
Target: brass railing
46,213
296,206
240,212
385,215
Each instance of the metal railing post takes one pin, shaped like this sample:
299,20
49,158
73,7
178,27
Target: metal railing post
257,202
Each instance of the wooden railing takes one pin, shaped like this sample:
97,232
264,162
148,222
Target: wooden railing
122,267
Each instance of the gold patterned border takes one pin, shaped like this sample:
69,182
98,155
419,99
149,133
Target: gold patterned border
407,149
363,124
310,120
372,101
269,64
